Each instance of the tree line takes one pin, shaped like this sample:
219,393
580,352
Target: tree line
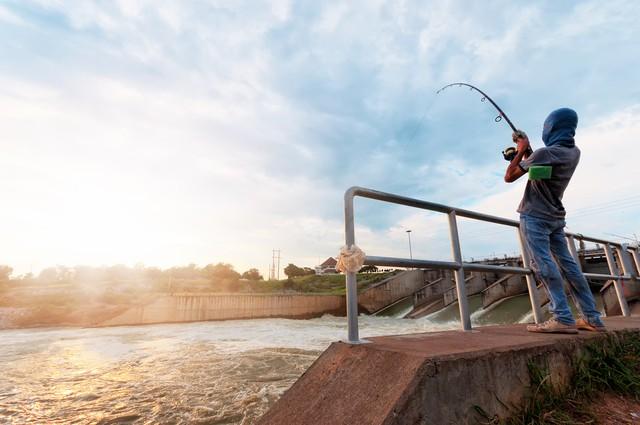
119,272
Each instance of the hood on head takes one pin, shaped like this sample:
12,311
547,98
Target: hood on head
560,127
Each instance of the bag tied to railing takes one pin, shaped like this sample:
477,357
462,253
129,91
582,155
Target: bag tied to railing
350,259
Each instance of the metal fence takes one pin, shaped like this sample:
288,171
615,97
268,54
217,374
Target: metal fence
628,257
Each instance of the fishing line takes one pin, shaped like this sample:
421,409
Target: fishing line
484,98
510,152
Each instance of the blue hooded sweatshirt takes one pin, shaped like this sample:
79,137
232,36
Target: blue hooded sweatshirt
543,198
559,128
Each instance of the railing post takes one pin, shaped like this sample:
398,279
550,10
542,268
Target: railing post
574,253
634,254
613,269
351,279
459,273
625,261
572,249
531,281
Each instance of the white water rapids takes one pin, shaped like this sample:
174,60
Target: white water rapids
208,372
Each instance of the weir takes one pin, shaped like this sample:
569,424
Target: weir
198,307
441,377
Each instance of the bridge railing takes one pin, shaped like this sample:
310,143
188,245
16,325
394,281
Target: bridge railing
628,257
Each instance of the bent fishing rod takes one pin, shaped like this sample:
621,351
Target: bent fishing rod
510,152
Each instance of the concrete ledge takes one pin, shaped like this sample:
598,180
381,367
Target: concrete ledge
432,378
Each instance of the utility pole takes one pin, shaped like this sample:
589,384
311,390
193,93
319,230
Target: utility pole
275,264
410,252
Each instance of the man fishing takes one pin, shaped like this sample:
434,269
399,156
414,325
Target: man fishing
542,221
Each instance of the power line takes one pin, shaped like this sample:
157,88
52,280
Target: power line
611,205
438,231
603,210
607,206
611,202
634,239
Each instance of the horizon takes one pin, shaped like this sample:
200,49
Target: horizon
180,133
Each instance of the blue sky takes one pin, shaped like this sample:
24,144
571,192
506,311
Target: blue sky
176,132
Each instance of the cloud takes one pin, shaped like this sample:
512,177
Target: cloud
171,132
7,16
601,200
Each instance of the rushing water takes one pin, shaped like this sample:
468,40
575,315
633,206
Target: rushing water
208,372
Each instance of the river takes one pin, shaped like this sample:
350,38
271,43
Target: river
226,372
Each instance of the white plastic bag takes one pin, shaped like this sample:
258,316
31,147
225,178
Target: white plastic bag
350,259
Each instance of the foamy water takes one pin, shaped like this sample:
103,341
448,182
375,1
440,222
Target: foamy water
207,372
210,372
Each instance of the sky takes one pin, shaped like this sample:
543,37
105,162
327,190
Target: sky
176,132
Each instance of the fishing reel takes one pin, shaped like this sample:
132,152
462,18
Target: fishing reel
511,152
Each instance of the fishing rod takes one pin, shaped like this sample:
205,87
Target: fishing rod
510,152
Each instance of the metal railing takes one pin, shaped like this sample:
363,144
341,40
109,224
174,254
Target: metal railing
628,257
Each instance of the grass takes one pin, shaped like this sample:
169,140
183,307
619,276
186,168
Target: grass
611,365
317,284
335,284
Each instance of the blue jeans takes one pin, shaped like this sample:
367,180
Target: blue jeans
545,239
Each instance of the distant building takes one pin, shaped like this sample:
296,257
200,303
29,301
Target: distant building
328,267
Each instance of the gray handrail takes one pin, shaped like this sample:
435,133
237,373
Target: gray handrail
459,267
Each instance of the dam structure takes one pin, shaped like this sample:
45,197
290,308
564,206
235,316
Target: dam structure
187,307
447,377
417,293
410,294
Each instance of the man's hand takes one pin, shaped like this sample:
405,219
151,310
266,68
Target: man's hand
523,144
520,138
518,134
514,172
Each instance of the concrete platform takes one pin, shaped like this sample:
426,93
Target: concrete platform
430,378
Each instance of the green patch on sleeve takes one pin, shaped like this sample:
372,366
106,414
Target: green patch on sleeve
540,172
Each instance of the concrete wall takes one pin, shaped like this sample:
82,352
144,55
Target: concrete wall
433,290
426,309
189,308
474,284
442,292
631,291
504,287
390,290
